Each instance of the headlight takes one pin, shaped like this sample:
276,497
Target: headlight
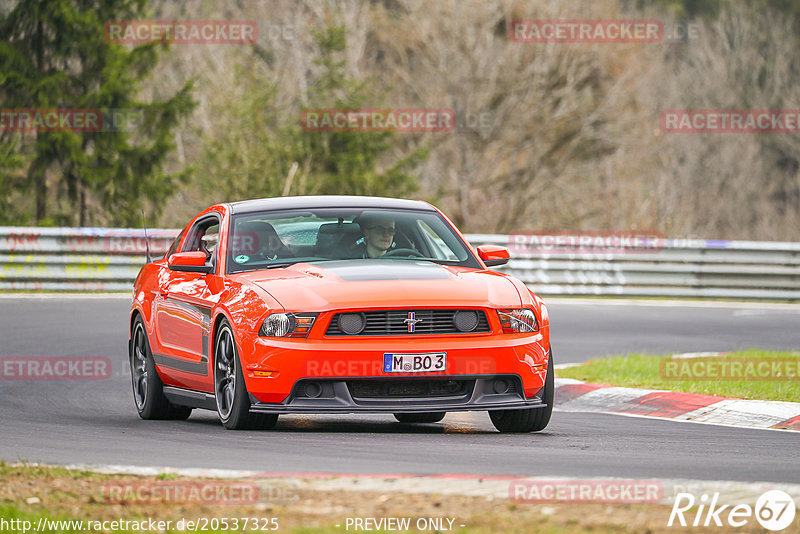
518,321
287,325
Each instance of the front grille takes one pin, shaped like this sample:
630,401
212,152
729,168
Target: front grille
392,323
374,389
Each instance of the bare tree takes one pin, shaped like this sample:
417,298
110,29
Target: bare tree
734,185
549,136
533,120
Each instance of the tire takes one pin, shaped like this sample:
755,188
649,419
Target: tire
529,419
426,417
148,390
230,391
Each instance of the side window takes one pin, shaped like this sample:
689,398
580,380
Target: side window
204,236
210,239
437,245
173,248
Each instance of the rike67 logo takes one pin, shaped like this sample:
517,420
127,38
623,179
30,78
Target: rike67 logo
774,510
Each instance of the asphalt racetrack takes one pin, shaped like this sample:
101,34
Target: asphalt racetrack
95,422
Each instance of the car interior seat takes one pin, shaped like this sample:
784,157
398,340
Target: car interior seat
335,240
262,238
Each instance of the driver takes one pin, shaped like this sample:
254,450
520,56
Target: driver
378,233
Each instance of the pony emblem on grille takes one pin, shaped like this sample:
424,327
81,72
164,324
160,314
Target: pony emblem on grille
412,321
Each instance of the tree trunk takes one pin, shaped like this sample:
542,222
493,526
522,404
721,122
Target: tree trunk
82,216
37,177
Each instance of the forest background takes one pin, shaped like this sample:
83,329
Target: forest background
548,136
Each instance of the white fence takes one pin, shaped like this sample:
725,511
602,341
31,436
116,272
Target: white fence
108,259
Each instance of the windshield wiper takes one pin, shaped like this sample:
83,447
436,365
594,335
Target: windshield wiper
262,267
276,265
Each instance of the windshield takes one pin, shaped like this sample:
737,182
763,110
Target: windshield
278,238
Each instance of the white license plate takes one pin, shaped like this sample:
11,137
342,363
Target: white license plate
414,363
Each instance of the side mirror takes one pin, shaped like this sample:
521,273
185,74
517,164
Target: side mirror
189,262
493,255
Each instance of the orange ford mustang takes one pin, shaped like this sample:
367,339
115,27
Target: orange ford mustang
336,304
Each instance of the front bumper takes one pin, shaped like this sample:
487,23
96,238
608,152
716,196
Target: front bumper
444,394
274,368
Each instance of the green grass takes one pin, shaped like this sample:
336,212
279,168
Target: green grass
645,371
36,470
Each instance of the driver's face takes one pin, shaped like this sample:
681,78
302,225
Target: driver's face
380,235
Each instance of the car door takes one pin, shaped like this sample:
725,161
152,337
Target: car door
183,313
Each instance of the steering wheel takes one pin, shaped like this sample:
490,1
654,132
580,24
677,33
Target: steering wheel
404,252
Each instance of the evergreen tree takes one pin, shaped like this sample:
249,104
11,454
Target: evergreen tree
54,55
263,151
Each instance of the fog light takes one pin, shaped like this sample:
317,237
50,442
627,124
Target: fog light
352,323
465,320
500,386
312,390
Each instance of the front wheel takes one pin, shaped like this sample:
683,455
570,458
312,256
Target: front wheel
426,417
230,391
529,419
148,390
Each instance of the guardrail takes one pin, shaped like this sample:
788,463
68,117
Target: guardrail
75,259
108,259
693,268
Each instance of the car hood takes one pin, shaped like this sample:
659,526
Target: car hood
354,284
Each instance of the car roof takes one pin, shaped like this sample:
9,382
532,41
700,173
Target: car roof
326,201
